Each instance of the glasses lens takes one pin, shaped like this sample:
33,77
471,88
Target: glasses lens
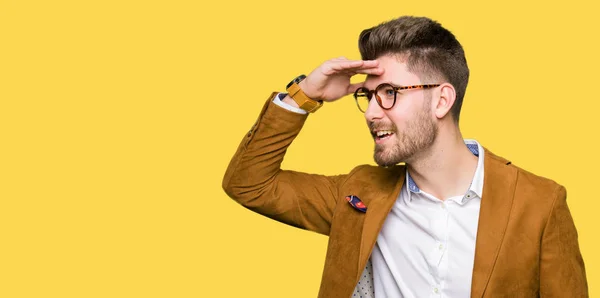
387,94
362,99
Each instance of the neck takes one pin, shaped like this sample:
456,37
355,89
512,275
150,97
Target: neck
447,168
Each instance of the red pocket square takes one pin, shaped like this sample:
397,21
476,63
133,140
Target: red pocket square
356,203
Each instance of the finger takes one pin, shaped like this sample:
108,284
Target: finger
370,63
357,66
353,64
377,71
353,72
345,65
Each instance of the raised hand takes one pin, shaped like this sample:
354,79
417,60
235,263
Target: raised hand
331,80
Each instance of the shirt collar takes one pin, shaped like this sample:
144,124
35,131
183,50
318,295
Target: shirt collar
476,187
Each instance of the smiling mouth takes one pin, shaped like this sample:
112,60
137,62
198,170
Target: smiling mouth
381,135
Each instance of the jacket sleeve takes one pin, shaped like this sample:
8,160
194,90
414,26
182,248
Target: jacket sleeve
562,271
255,180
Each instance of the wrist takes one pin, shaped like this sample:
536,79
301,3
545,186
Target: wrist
290,101
303,87
295,93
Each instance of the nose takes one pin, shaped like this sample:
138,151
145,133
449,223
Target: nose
374,111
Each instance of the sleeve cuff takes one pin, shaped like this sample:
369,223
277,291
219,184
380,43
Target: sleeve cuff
278,101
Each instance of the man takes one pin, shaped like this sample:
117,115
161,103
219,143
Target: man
454,221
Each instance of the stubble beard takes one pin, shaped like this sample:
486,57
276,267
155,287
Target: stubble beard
418,136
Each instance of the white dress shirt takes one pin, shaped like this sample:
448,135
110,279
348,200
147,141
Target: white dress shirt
426,247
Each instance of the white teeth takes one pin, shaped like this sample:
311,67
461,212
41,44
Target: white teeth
384,132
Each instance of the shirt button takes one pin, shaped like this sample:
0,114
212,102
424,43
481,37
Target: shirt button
443,206
441,247
435,290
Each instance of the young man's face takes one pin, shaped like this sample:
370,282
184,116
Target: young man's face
409,125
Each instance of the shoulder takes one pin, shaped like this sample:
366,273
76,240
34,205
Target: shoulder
528,185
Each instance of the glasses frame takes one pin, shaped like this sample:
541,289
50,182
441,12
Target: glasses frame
370,93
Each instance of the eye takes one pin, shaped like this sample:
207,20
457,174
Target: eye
387,92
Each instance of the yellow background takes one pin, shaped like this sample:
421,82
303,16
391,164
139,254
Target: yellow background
118,119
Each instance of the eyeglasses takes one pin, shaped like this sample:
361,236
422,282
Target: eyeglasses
385,94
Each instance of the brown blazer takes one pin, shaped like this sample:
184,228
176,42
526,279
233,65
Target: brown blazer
526,240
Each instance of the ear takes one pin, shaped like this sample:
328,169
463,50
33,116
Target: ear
445,100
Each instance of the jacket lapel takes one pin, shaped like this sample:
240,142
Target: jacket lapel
496,202
378,210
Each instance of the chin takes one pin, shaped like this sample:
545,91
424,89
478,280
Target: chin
387,157
385,160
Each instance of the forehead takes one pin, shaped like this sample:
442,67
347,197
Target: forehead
395,72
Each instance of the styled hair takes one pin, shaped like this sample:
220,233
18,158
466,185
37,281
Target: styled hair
431,51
